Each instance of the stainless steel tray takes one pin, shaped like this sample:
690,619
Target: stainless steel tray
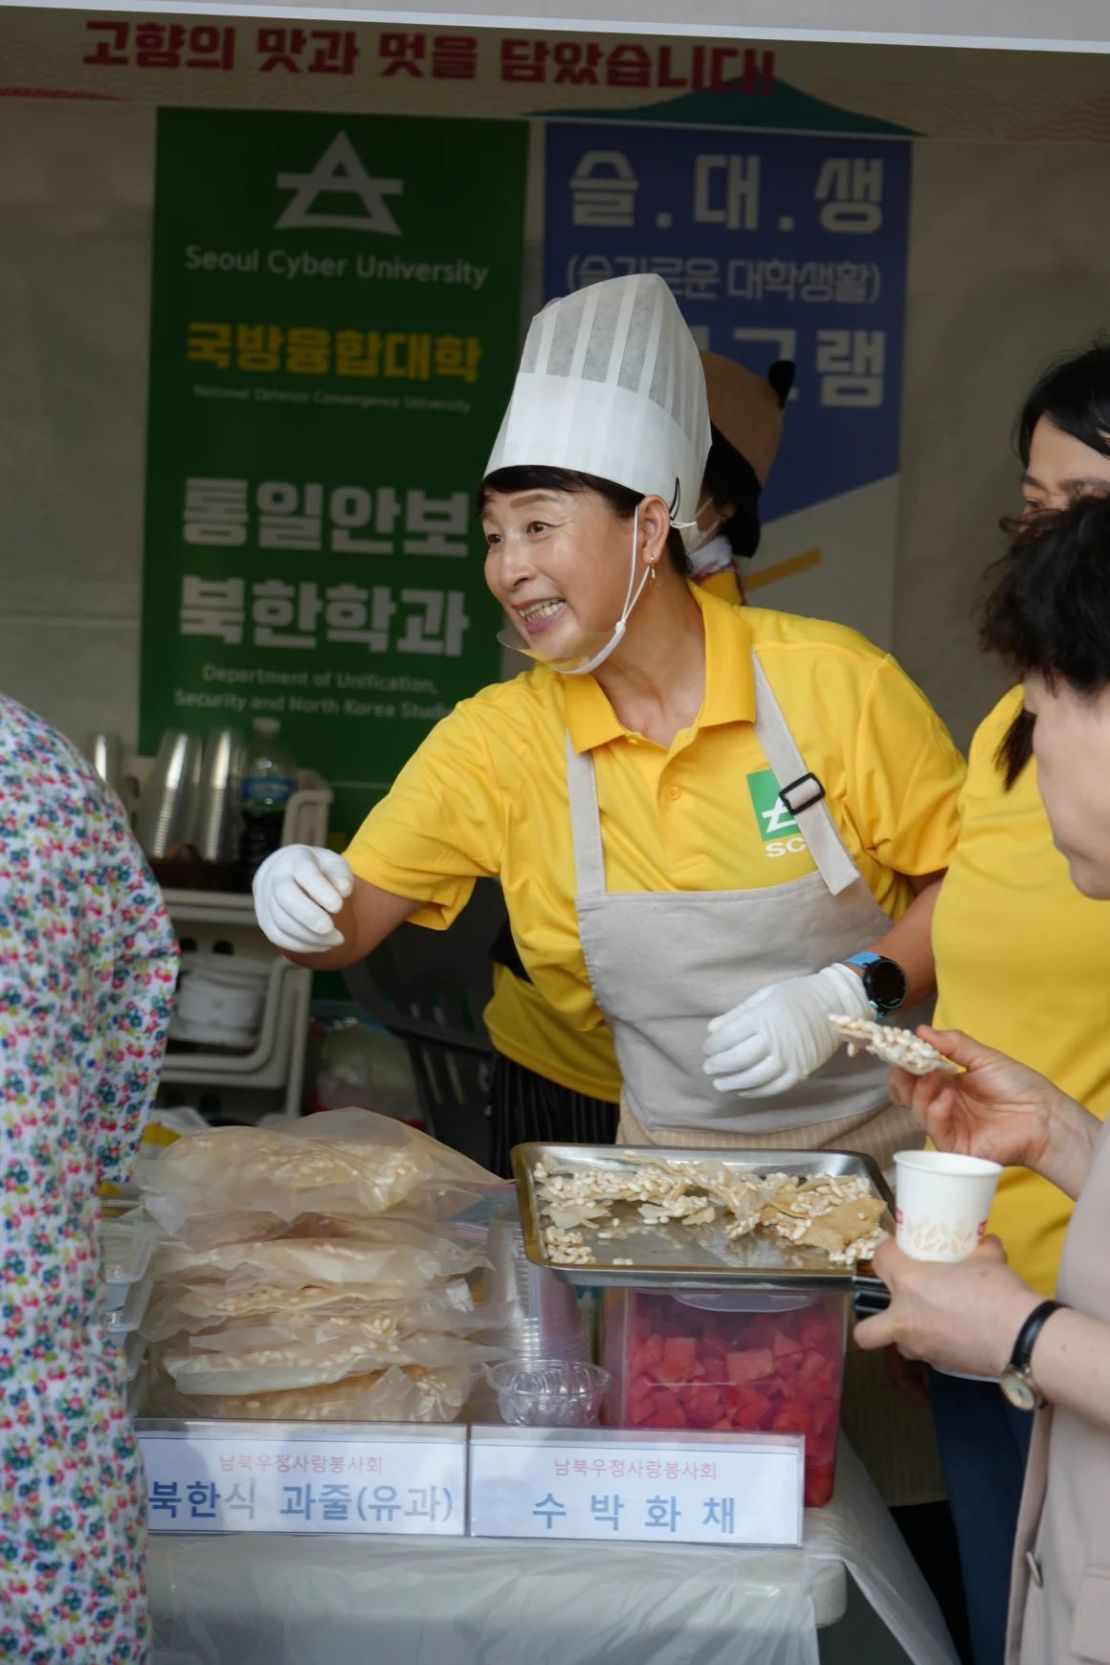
672,1255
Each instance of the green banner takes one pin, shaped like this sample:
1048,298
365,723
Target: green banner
333,338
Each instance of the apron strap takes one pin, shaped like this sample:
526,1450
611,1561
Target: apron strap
585,823
800,791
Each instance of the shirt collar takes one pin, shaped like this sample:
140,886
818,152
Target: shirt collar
729,681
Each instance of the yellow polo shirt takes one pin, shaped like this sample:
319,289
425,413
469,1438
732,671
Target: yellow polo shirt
725,585
486,792
526,1028
1023,964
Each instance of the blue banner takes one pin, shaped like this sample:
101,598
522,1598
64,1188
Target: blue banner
775,246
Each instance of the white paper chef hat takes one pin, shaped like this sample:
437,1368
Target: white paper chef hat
611,384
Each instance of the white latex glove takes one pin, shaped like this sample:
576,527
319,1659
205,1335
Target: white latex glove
775,1039
297,891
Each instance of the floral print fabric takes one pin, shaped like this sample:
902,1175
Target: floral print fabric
88,965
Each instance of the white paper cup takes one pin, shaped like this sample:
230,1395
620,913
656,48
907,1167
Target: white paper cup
943,1202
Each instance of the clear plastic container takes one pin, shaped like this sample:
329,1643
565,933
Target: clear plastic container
137,1388
121,1328
121,1321
548,1393
132,1346
730,1362
126,1245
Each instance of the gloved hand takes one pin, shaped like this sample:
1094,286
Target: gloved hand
769,1043
297,890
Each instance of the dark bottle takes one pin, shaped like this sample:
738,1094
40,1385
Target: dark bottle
269,781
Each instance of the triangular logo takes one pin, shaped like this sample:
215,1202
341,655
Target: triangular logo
339,173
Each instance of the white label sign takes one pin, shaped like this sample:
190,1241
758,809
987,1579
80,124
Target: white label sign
672,1488
267,1477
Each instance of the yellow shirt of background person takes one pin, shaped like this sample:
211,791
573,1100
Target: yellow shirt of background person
1023,964
485,795
724,585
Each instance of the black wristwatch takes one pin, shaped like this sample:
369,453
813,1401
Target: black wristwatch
884,981
1016,1381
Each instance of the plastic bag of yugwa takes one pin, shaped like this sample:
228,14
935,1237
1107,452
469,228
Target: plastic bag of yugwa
176,1308
209,1229
354,1347
337,1162
399,1394
402,1258
212,1228
385,1322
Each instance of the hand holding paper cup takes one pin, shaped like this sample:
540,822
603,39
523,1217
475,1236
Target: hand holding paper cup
942,1203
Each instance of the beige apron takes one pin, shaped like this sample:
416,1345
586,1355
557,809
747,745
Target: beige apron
1060,1598
662,963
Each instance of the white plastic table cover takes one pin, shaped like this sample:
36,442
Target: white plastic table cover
259,1600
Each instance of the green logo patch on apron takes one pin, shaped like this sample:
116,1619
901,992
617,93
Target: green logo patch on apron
772,817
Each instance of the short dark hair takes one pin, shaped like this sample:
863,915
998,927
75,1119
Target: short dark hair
730,478
620,499
1074,394
1048,609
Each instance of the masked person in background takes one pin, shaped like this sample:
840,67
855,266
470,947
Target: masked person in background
745,413
1049,617
88,965
550,1079
686,803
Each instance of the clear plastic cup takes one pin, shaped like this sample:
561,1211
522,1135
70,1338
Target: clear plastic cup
548,1393
541,1316
943,1203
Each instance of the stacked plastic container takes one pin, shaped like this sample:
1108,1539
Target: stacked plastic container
731,1361
127,1243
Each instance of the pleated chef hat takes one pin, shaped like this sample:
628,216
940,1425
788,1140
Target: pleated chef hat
611,384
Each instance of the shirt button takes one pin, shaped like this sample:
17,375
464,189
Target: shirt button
674,792
1034,1567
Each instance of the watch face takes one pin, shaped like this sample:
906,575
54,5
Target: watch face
885,984
1018,1390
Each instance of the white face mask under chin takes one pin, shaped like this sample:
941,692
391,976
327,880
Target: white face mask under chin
702,538
511,639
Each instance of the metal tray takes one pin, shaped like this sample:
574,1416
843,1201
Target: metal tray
671,1255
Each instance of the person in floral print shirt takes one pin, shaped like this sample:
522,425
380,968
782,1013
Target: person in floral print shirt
88,965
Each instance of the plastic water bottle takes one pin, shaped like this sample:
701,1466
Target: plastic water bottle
269,781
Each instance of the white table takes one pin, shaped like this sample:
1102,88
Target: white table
253,1600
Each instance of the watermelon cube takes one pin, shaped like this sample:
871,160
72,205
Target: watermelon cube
702,1406
819,1481
752,1365
679,1362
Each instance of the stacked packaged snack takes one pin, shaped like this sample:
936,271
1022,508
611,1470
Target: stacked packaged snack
313,1273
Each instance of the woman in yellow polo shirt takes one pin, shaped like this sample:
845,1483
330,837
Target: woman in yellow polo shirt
1023,963
688,804
551,1080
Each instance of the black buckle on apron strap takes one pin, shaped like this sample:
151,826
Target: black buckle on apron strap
817,792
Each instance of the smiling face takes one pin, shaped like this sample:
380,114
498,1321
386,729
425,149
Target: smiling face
559,564
1061,469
